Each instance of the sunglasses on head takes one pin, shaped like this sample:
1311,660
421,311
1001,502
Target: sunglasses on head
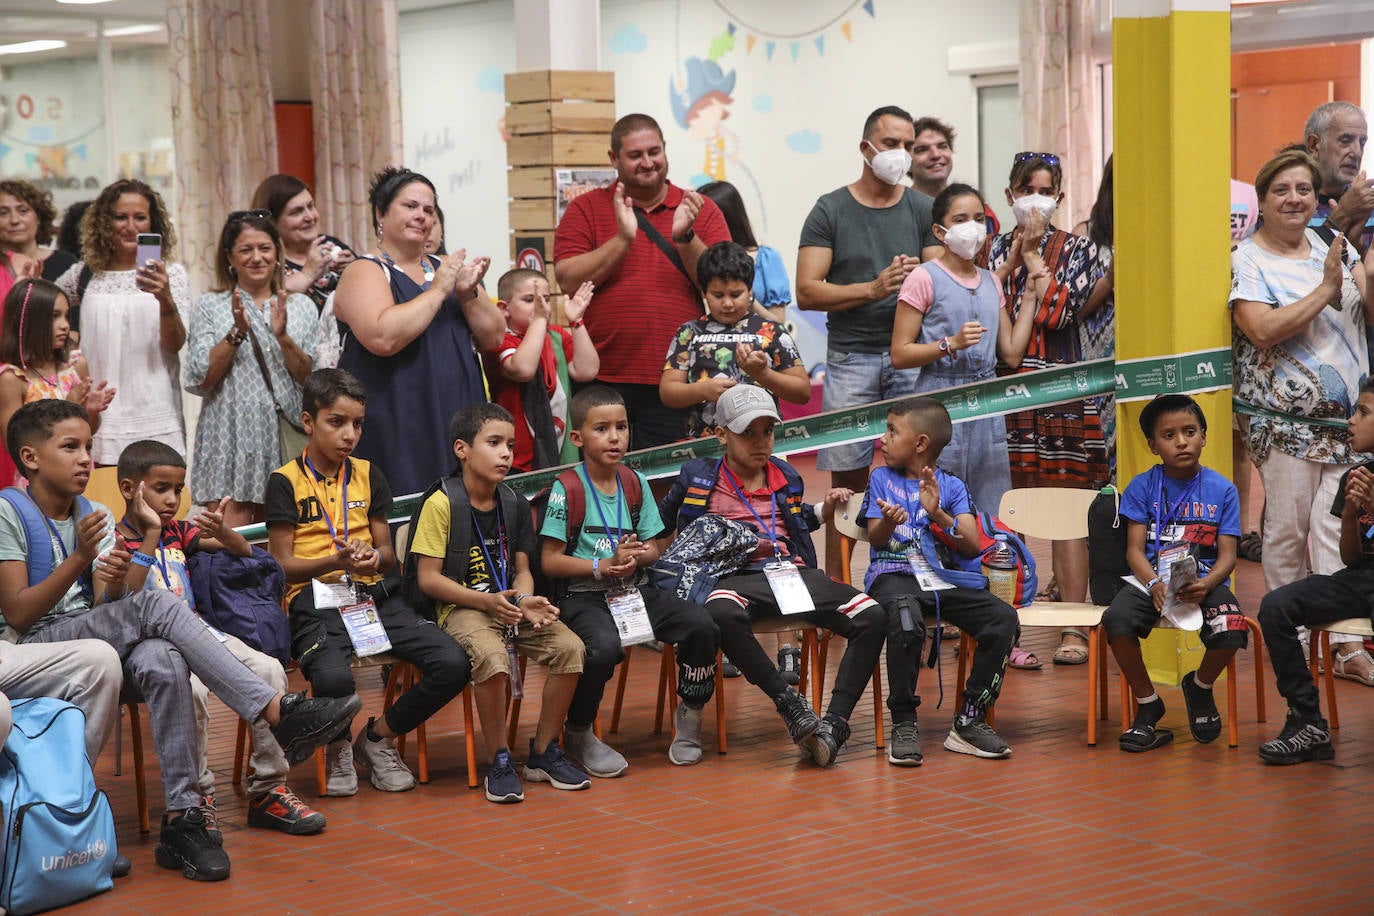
1049,158
239,216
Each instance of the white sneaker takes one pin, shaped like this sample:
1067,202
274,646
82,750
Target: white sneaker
585,749
686,747
386,771
341,777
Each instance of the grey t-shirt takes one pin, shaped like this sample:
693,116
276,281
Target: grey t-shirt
14,546
863,241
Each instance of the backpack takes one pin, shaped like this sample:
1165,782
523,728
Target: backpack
576,494
987,527
242,596
708,548
1106,547
456,555
58,841
39,556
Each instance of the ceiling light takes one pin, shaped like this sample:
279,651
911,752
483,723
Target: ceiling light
26,47
125,31
83,2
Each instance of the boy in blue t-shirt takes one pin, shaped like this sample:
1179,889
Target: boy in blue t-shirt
1319,600
1177,509
904,498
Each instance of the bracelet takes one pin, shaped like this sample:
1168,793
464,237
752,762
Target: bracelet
518,598
596,568
576,324
1152,583
234,338
141,559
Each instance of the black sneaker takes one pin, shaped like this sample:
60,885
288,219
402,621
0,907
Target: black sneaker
976,738
1204,721
502,785
801,719
280,809
310,722
727,667
824,746
1302,739
553,767
904,745
207,808
789,664
184,844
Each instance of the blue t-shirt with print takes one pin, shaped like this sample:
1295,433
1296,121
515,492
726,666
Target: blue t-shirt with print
891,486
1183,513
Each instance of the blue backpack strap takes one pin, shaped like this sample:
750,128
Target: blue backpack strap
38,555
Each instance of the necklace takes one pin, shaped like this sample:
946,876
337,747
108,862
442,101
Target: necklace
425,267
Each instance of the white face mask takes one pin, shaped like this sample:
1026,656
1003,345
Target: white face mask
1021,207
965,239
889,165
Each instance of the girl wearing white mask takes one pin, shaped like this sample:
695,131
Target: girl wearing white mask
1053,274
954,328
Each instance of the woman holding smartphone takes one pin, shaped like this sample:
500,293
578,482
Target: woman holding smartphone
133,315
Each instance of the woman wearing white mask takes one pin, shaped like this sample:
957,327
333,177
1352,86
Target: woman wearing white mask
954,329
1053,274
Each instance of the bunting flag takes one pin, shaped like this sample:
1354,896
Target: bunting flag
794,40
771,47
848,30
749,44
868,8
820,45
80,151
796,49
4,150
731,27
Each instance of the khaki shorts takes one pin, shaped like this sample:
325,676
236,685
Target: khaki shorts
483,639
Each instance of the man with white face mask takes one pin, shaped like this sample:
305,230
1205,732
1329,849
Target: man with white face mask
857,246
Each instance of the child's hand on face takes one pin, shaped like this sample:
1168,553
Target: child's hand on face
930,491
576,305
894,512
753,362
147,516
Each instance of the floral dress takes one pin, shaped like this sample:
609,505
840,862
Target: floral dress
40,388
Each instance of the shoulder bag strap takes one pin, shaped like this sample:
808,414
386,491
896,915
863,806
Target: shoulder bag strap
267,376
663,245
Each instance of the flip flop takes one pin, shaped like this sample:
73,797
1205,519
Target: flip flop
1026,661
1140,738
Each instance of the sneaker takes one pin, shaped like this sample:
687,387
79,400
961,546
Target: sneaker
184,844
824,746
341,776
308,722
976,738
1301,740
553,767
727,667
904,745
1204,721
686,747
280,809
207,808
386,771
586,750
789,664
502,785
801,719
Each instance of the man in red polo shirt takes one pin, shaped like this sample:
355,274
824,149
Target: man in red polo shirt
645,286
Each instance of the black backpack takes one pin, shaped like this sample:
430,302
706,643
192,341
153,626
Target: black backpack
459,538
1106,547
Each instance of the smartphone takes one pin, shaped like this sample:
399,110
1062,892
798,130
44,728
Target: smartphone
149,248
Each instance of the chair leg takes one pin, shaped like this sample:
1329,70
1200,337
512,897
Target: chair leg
1100,634
140,780
811,667
964,640
1096,665
1258,648
620,690
514,728
1232,729
1330,677
720,704
878,737
471,744
119,744
402,677
320,780
240,745
667,685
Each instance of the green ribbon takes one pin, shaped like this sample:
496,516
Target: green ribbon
1181,373
1252,410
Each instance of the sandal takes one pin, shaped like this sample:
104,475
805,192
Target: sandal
1358,666
1140,737
950,631
1069,653
1024,660
1050,592
1251,547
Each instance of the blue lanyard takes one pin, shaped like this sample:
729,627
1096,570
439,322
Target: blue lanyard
1164,515
498,573
343,495
595,496
59,547
772,527
159,556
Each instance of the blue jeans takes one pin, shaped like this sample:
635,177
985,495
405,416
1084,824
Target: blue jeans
852,380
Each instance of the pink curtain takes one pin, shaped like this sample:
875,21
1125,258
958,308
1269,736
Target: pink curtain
355,89
222,119
1059,106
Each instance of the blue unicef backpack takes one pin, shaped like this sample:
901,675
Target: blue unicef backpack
58,844
40,553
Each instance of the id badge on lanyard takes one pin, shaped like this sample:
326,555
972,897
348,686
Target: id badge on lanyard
926,576
630,615
333,594
789,590
365,628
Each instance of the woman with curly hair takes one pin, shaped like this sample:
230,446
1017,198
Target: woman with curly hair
27,216
133,317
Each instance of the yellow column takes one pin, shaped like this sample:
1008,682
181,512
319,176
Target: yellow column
1172,122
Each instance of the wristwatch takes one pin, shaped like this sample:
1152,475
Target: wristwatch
235,337
944,346
686,238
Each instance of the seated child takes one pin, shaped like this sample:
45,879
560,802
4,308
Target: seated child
732,345
152,476
487,604
1177,508
63,575
529,374
750,486
1317,600
603,555
326,525
904,499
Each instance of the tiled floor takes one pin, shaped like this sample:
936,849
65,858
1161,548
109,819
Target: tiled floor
1058,828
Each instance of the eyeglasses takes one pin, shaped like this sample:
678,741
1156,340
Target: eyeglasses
1049,158
239,216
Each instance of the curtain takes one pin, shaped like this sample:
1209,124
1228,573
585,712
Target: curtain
1059,105
222,120
355,91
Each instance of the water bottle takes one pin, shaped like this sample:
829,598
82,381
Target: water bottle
999,565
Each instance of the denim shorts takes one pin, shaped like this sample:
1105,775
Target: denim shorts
852,380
